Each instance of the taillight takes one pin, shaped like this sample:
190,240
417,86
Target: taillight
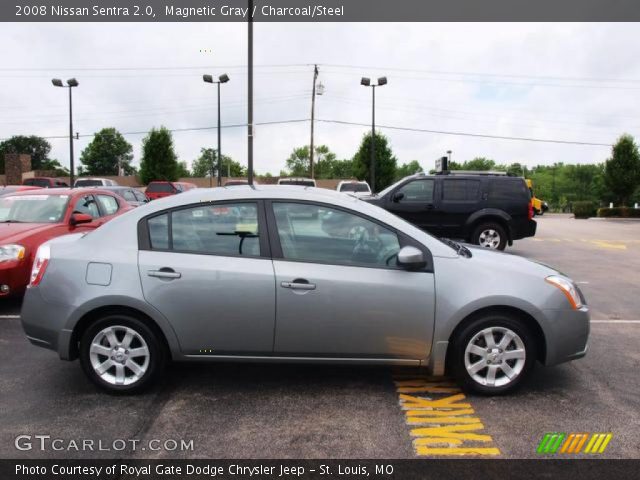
530,210
39,265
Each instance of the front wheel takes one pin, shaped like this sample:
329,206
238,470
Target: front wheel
493,354
121,354
490,235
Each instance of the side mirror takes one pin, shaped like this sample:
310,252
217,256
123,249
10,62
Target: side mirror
410,258
397,196
79,218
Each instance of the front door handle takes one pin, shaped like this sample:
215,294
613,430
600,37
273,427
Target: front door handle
298,284
429,206
164,273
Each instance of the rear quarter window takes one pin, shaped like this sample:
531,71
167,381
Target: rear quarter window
460,190
509,190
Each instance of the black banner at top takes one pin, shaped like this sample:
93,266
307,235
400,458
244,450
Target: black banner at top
319,10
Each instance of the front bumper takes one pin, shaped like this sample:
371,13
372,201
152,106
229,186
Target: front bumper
567,335
15,275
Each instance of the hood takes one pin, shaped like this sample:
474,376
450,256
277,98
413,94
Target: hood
17,232
509,262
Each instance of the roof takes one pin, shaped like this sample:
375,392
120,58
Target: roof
61,191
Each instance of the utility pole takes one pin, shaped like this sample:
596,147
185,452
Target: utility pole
373,138
313,110
250,96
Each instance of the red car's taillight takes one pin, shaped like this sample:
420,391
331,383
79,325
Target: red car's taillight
39,265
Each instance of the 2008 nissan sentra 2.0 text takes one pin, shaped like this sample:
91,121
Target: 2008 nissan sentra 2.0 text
278,273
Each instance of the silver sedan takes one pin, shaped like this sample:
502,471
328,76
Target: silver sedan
294,274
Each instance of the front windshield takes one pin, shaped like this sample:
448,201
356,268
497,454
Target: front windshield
33,208
354,187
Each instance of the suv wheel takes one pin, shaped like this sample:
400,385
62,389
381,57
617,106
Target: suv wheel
490,235
493,354
121,354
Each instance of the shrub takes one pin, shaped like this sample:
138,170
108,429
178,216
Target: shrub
583,209
619,212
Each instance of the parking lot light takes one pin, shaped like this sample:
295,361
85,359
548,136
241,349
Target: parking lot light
224,78
366,82
72,82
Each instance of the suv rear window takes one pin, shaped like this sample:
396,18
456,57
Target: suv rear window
302,183
160,188
458,189
89,183
508,189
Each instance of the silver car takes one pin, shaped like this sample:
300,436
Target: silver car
289,275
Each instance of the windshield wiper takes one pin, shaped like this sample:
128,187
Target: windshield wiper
11,221
459,248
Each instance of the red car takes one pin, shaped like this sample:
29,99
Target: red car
30,218
160,189
45,182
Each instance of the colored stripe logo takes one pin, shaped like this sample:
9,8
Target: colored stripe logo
573,443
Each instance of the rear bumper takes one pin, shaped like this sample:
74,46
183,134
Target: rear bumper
567,335
523,229
43,323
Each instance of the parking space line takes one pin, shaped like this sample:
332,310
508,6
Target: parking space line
615,321
442,421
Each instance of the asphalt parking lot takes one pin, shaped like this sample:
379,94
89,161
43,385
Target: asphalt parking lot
301,411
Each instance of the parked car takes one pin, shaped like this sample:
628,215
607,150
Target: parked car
302,182
30,218
159,189
45,182
192,278
133,196
485,208
354,188
9,189
95,182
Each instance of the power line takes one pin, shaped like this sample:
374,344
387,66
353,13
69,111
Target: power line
467,134
147,68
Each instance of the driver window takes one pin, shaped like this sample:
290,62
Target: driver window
88,205
417,191
315,233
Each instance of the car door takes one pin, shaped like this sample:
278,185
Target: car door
415,202
339,292
460,199
208,270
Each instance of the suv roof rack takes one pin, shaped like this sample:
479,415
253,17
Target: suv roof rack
480,172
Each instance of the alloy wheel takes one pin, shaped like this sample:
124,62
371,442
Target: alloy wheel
119,355
489,238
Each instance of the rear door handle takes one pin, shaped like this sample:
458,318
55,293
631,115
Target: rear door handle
164,273
298,284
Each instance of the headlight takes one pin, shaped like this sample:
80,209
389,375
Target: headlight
568,288
11,252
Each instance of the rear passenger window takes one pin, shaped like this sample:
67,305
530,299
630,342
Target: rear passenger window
508,190
109,204
223,229
460,190
159,232
129,196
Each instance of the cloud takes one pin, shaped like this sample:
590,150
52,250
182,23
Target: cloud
524,79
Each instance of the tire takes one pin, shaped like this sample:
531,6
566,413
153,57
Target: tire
124,373
490,235
469,349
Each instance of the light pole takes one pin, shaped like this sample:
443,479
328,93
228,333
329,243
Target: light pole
72,82
224,78
367,83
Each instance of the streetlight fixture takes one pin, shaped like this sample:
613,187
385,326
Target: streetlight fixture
366,82
224,78
72,82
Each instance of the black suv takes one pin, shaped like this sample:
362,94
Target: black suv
487,209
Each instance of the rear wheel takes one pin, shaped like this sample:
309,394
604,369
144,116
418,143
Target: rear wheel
490,235
121,354
493,354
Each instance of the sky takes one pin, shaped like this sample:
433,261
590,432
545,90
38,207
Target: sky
577,82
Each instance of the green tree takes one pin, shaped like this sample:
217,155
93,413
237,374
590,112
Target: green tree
106,150
297,165
37,147
479,163
159,159
622,170
183,170
201,167
407,169
386,162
